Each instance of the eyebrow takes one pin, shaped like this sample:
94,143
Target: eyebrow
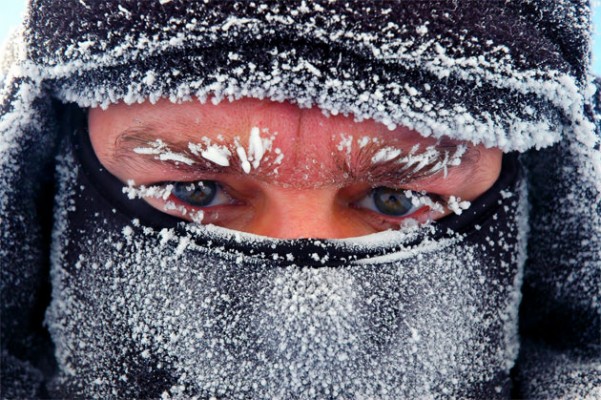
394,172
132,138
360,167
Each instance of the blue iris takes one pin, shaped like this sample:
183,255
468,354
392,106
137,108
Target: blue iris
199,194
392,202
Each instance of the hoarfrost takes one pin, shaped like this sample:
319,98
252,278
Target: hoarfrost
385,101
177,157
209,319
217,154
165,299
345,144
421,200
142,191
386,154
244,164
161,150
456,205
255,147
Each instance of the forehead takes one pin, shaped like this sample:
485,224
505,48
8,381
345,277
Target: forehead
291,124
303,144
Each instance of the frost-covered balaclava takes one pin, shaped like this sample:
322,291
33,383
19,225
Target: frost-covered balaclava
201,311
144,306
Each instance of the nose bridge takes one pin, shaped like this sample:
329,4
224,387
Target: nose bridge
293,214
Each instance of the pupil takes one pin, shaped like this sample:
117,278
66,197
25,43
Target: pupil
197,194
392,202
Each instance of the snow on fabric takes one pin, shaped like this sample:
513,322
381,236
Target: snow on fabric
433,47
205,320
507,74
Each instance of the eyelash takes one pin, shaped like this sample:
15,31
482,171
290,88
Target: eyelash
414,201
215,193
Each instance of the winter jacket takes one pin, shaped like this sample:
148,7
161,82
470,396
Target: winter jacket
104,297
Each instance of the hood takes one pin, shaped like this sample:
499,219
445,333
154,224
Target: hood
509,75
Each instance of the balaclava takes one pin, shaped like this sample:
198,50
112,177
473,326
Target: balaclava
146,306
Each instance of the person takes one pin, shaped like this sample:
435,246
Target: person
293,199
255,177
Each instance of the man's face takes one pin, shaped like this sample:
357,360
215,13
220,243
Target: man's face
277,170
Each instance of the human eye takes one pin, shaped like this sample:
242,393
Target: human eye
387,207
200,194
391,202
203,201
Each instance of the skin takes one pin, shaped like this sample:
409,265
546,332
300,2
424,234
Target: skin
318,189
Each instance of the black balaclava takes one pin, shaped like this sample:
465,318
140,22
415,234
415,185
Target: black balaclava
190,311
146,306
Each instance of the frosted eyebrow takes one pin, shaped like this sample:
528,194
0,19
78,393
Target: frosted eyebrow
130,141
387,166
360,168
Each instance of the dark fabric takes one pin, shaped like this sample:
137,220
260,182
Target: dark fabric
560,313
517,69
334,48
27,351
116,289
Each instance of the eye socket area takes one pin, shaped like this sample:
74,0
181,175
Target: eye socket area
233,205
200,201
200,194
392,205
389,201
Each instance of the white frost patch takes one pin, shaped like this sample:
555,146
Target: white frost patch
177,157
244,164
363,141
457,205
459,152
196,215
139,192
218,154
386,154
160,149
420,200
255,147
124,10
127,231
156,147
279,156
345,144
506,194
150,78
421,30
234,21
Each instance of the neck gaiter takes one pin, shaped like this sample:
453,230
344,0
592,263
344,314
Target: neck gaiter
145,305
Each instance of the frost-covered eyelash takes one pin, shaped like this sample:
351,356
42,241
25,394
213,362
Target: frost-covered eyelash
454,203
162,152
161,192
142,191
457,205
423,200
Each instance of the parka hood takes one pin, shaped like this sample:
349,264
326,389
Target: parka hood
442,68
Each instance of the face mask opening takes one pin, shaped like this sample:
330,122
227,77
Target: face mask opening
136,215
